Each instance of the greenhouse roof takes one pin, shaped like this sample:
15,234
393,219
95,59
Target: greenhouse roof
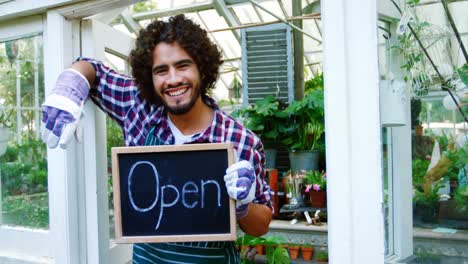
223,20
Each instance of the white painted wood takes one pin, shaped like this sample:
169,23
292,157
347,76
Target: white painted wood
26,242
387,10
20,27
89,8
19,241
62,168
18,8
355,202
402,190
401,177
96,39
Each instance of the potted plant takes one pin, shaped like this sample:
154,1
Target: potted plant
461,199
252,246
427,203
322,256
316,185
307,251
294,250
266,119
304,132
5,124
258,244
275,253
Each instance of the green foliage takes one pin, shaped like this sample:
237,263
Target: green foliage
412,2
26,210
279,255
322,255
416,107
236,87
458,157
5,118
316,83
275,254
315,180
114,136
10,155
24,57
420,167
461,199
413,55
306,123
114,139
143,7
24,168
432,198
463,73
265,118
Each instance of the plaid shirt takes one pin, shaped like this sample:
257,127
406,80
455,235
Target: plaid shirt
118,96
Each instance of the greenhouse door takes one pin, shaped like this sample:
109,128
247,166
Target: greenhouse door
106,44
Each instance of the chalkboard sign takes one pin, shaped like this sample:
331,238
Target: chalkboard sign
172,193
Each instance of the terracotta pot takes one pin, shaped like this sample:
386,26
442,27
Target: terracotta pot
307,252
318,199
259,249
244,248
418,130
273,180
294,251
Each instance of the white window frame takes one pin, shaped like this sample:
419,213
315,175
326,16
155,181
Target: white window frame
71,237
20,241
353,136
80,237
356,233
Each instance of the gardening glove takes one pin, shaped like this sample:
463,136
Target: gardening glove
63,108
240,184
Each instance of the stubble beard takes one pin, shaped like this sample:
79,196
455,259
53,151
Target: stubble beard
180,108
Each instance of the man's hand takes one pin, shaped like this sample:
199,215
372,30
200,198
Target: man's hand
241,184
63,109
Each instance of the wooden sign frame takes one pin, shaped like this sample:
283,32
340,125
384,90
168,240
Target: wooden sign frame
120,238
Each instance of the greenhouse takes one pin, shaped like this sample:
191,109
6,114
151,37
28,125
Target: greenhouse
361,109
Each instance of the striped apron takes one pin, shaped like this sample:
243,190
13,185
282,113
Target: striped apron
218,252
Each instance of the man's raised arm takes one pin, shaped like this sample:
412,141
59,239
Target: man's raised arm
63,107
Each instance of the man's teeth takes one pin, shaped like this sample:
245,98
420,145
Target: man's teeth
178,92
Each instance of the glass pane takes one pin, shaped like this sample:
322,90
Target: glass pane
114,136
23,165
426,60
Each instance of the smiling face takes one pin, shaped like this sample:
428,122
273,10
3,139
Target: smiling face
176,78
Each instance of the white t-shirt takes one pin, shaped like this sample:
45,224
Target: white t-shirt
178,136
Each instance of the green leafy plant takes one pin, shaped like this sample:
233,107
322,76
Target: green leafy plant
316,83
458,158
266,119
26,210
419,171
431,198
5,118
322,256
275,254
306,123
461,199
463,73
314,180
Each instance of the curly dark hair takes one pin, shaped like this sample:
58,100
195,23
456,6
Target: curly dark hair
193,39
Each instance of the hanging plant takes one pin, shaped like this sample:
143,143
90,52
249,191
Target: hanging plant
11,48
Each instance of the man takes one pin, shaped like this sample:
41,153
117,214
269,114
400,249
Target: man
174,66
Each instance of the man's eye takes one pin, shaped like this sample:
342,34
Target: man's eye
160,72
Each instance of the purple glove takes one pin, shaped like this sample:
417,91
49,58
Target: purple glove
241,184
63,108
